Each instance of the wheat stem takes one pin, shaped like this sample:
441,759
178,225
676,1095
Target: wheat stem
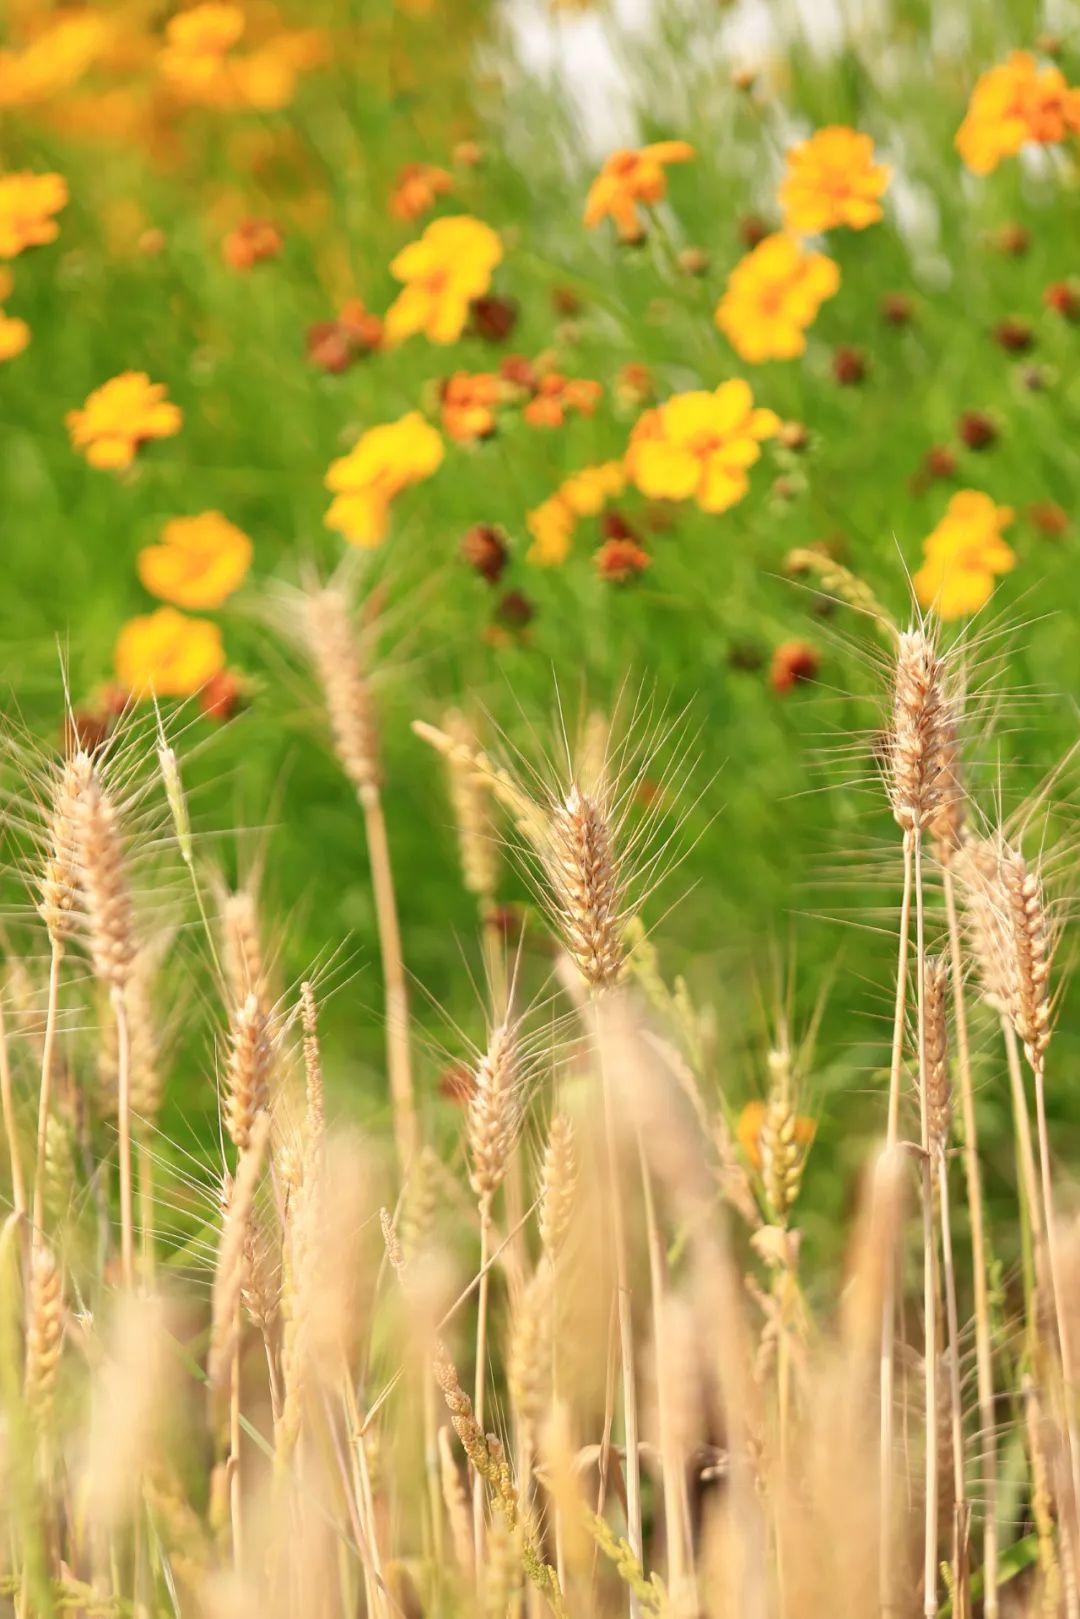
930,1558
398,1056
984,1364
625,1300
888,1313
18,1180
45,1089
480,1376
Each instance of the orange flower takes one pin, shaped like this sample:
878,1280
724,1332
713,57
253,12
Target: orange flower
619,561
551,525
832,179
468,404
963,554
629,178
417,189
748,1132
1014,103
167,654
588,492
772,296
199,562
27,205
382,463
443,272
335,344
700,445
250,243
557,396
119,416
14,336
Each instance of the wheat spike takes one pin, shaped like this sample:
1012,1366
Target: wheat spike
936,1077
558,1184
248,1070
332,643
245,967
470,799
60,880
582,868
105,887
495,1108
44,1331
1032,952
916,745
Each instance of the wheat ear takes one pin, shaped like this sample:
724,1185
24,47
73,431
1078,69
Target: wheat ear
1032,940
914,758
492,1125
57,906
349,704
111,938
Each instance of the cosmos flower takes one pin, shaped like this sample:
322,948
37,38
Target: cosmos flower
700,446
199,562
121,415
384,461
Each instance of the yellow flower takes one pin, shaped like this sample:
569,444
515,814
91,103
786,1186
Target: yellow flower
699,445
772,296
119,416
201,65
629,178
963,554
443,272
551,525
199,563
57,58
27,204
588,491
832,179
383,462
14,336
1014,103
167,654
195,57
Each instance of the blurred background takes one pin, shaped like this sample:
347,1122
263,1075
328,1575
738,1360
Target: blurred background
237,249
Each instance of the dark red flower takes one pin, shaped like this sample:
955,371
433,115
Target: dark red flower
1012,239
793,663
897,309
484,548
516,610
1015,336
493,318
849,365
1048,518
752,230
976,429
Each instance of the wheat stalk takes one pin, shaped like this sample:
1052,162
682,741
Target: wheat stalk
333,648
